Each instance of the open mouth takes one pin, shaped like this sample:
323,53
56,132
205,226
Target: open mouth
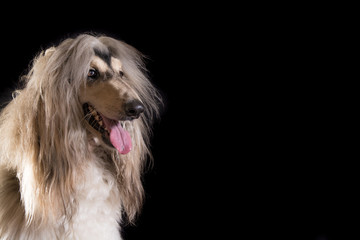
112,131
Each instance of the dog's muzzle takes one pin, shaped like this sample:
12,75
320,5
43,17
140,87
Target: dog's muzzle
113,132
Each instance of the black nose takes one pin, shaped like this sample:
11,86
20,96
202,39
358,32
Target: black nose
134,108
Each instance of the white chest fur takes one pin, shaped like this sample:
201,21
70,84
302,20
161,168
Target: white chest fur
99,208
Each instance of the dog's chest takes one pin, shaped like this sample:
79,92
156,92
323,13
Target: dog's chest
99,208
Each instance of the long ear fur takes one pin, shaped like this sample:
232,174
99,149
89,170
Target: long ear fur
44,124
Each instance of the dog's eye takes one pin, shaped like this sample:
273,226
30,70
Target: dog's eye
93,73
121,73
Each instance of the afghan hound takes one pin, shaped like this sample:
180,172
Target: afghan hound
74,140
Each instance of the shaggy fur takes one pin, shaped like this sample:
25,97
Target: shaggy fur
59,176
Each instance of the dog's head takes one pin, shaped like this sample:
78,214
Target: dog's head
110,99
104,84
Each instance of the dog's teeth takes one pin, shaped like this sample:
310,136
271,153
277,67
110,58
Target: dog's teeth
96,120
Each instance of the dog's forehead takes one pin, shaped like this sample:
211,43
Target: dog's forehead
104,54
105,61
114,64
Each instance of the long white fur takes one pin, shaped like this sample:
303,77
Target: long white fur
58,180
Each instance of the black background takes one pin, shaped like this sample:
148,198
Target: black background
250,142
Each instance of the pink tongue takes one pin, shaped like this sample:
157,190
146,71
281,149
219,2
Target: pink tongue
119,137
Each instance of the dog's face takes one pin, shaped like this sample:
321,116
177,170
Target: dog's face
109,101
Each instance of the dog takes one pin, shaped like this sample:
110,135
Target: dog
74,141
